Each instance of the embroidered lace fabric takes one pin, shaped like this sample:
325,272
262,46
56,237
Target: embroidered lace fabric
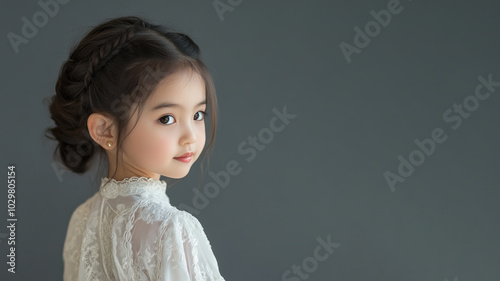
128,230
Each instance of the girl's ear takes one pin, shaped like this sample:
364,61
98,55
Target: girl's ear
102,129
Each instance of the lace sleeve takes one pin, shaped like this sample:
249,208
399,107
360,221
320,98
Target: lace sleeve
186,252
73,242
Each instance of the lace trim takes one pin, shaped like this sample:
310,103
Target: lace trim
130,186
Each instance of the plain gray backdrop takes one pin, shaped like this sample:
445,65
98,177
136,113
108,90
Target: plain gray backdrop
320,176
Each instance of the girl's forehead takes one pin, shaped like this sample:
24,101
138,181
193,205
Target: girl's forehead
180,87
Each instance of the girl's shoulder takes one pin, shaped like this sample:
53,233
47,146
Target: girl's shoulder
162,211
82,211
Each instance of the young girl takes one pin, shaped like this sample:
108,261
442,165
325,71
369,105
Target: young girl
137,94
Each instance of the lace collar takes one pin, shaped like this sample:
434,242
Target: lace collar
131,186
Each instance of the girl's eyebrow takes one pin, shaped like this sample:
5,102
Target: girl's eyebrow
166,104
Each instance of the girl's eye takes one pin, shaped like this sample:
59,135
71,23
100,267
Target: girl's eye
203,115
198,117
164,118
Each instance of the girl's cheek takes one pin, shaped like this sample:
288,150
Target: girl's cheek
148,146
164,147
137,148
159,147
200,142
201,136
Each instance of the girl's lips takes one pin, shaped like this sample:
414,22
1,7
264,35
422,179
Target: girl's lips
184,159
185,155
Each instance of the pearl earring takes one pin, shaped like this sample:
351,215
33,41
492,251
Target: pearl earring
110,144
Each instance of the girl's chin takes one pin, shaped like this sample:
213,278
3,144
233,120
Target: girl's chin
178,174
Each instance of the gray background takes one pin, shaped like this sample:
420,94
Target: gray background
324,173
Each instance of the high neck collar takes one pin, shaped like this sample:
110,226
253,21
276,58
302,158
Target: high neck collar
131,186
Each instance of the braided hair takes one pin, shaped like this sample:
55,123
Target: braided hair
113,70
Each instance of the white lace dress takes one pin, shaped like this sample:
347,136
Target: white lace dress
128,230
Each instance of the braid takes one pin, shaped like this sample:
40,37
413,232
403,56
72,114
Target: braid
106,53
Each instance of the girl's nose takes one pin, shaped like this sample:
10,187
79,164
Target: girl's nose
189,135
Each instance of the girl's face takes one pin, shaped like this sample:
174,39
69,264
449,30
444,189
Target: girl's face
172,123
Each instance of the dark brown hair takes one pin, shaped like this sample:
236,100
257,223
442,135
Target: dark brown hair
113,70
